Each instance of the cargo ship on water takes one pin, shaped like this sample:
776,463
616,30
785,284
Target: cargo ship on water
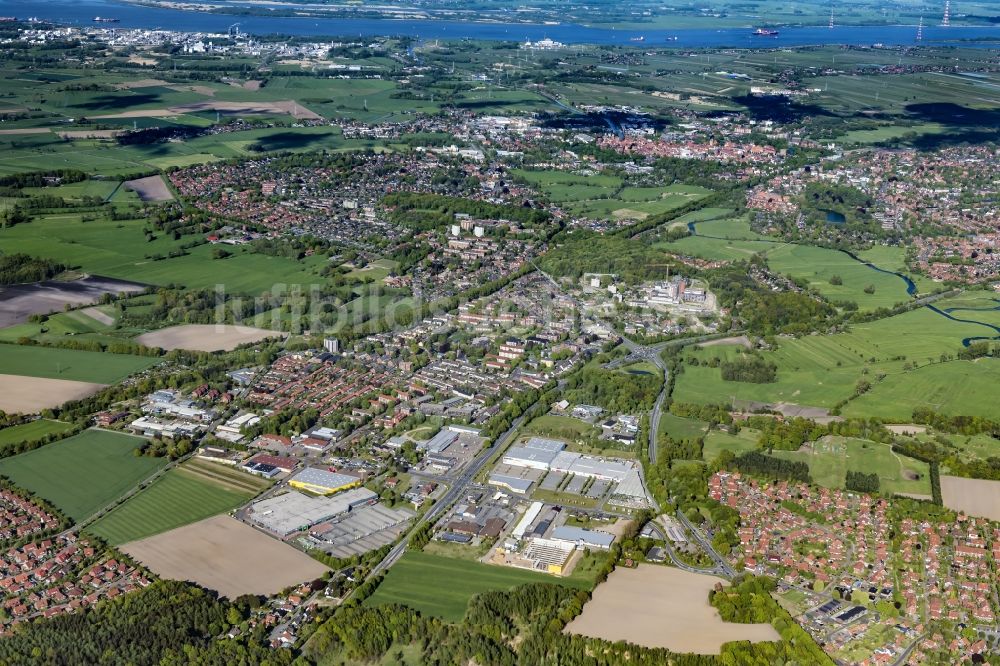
764,32
104,19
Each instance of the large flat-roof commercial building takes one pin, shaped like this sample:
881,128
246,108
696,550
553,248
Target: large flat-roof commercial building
583,538
512,483
591,466
537,453
323,482
439,442
294,512
632,488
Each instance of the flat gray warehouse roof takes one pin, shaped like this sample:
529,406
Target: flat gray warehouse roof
294,511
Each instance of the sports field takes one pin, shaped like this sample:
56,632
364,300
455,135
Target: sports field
83,473
183,495
27,432
71,364
443,586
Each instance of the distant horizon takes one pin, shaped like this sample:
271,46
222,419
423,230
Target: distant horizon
132,16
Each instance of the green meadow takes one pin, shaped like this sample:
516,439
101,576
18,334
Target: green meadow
718,441
597,194
723,249
84,473
120,249
681,428
177,498
979,306
82,366
57,325
30,431
442,586
957,387
821,370
830,459
817,266
731,239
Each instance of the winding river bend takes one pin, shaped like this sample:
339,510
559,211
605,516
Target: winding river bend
947,312
911,287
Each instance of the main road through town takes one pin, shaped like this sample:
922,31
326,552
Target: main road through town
458,486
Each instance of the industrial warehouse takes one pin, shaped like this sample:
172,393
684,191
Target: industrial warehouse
543,542
295,512
323,482
361,530
546,464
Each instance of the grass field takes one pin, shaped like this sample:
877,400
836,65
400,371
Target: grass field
720,249
887,132
30,431
976,306
832,457
894,259
594,194
98,156
975,446
183,495
83,473
55,327
83,366
822,370
958,387
734,228
717,441
681,428
119,249
442,586
732,240
817,265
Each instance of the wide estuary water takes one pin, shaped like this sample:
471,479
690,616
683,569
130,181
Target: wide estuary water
135,16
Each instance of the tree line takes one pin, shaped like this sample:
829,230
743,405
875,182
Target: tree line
425,212
862,482
749,369
169,622
615,391
20,268
756,463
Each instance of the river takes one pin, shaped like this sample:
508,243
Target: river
137,16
